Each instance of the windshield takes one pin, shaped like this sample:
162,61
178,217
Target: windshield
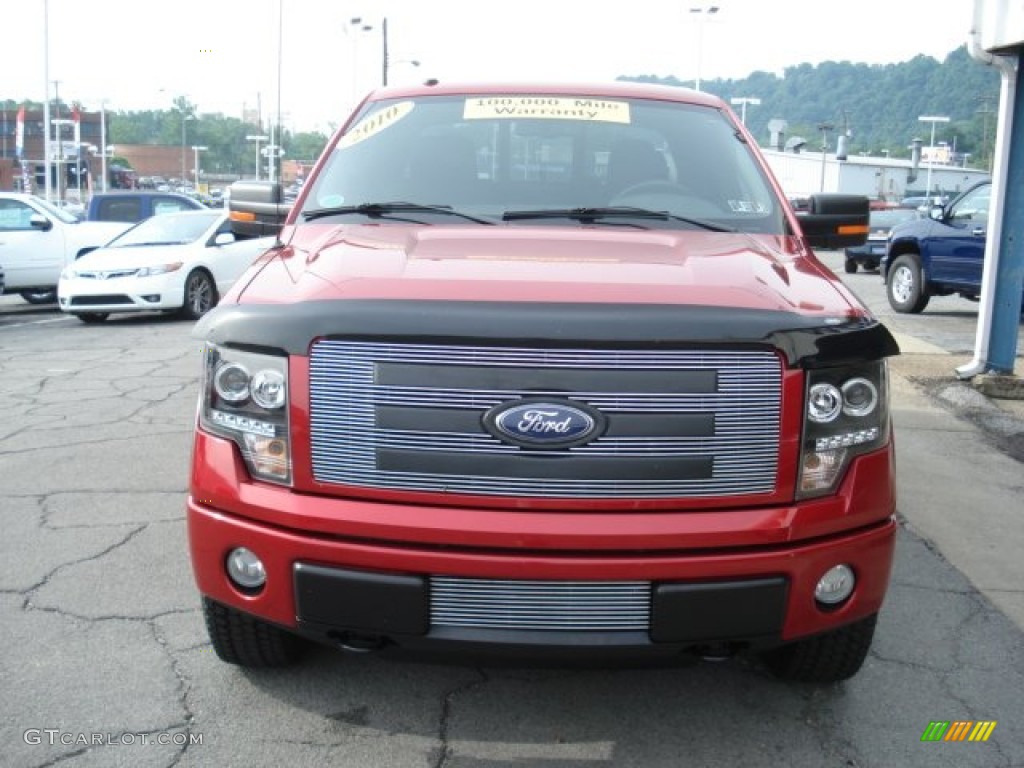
167,229
53,210
555,160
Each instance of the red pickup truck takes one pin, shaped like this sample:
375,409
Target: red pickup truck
548,372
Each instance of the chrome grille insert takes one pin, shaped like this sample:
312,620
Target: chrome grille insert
394,416
543,605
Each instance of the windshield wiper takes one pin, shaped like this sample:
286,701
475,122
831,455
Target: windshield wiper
384,210
623,211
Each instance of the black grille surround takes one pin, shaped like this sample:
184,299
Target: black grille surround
681,423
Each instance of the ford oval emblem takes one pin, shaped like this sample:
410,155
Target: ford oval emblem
544,423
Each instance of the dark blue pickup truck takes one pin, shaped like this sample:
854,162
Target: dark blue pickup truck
136,205
940,255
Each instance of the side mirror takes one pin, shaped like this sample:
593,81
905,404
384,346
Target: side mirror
40,222
257,208
223,238
835,221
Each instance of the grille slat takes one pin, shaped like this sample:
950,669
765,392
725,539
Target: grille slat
540,605
732,433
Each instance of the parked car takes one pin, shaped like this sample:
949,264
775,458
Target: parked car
136,205
940,255
603,406
38,239
880,222
180,262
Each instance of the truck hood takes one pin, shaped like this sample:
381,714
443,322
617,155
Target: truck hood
513,263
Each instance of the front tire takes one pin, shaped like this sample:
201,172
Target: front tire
91,318
241,639
200,294
904,285
40,297
828,658
850,266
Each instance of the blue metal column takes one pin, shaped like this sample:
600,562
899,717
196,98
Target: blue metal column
1006,307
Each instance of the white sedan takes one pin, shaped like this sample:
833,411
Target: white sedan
181,262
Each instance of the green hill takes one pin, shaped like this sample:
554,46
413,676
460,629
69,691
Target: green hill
878,105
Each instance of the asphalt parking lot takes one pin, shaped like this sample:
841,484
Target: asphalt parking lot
106,662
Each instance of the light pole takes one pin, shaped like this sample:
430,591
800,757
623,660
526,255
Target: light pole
103,142
196,150
257,139
824,128
103,153
185,117
354,26
47,147
743,101
59,124
704,12
933,119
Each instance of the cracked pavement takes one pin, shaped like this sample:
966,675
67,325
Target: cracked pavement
101,632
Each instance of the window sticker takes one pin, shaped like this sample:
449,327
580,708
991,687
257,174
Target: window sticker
375,123
748,206
546,108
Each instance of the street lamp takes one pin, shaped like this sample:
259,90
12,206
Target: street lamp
354,26
185,117
59,124
824,128
704,12
743,101
257,139
103,153
196,150
933,119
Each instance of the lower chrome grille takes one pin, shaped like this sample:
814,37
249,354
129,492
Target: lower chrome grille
540,605
682,423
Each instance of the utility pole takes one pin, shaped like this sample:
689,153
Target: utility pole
384,51
824,128
985,110
60,140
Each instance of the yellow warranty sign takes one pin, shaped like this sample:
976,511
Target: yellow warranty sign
546,108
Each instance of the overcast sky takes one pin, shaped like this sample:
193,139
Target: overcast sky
223,54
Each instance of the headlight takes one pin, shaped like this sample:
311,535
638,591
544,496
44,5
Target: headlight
159,269
847,414
243,399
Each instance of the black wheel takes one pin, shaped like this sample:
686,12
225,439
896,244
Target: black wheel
90,318
40,297
904,285
827,658
851,266
200,294
247,641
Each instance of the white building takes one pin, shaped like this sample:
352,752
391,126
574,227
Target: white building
879,178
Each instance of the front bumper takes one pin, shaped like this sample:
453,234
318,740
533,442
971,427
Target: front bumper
352,585
122,294
870,253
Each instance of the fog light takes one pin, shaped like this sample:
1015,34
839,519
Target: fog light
245,569
835,586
